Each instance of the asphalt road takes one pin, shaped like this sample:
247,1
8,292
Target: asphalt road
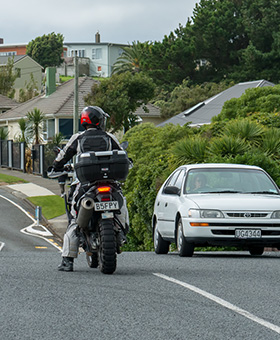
208,296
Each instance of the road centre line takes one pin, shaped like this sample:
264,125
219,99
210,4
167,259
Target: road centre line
221,302
29,228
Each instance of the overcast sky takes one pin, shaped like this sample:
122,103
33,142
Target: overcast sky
118,21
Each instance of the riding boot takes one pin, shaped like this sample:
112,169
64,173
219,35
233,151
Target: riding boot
66,264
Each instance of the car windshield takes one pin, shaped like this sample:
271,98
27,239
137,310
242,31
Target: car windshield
228,180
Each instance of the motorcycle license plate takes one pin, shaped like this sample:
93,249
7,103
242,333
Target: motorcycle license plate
248,233
109,205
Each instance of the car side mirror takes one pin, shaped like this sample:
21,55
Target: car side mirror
171,190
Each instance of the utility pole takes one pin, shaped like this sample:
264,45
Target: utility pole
76,96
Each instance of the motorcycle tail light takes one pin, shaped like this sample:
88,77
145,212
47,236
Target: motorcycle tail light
104,189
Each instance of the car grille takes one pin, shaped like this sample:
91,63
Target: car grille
247,214
245,225
232,232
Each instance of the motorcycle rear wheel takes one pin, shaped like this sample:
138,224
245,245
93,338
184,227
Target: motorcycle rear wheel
107,256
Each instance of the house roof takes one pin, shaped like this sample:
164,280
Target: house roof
17,58
58,104
7,103
154,111
203,112
66,44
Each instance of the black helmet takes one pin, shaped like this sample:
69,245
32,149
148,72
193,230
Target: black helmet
94,116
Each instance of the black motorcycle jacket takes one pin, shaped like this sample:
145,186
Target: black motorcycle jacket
91,139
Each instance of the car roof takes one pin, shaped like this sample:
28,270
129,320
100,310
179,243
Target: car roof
219,166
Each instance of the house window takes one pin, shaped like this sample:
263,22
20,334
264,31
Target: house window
66,127
96,53
48,129
7,54
78,53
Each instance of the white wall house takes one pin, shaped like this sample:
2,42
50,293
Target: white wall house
101,55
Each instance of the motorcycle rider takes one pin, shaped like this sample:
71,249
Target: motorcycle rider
94,138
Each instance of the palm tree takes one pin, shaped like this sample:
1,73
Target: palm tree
23,128
226,146
35,121
270,143
245,129
131,59
189,150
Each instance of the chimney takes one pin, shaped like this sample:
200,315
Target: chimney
50,80
1,41
97,37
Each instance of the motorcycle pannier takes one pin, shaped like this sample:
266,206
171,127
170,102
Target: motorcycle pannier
92,166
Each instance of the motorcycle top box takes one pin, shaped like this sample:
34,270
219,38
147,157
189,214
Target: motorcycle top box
102,165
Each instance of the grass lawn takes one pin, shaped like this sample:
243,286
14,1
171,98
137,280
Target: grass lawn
52,206
11,179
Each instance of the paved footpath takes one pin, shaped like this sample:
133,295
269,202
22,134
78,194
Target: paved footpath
37,186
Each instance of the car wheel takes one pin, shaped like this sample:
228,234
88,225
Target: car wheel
185,249
161,246
256,250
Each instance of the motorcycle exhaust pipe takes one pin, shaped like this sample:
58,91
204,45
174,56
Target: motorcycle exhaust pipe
85,212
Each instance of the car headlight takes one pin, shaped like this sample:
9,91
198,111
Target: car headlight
276,214
205,213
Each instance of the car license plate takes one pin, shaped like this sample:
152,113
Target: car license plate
248,233
110,205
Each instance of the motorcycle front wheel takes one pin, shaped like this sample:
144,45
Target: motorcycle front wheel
92,260
107,256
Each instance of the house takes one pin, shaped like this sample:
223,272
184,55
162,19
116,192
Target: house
203,112
101,56
24,66
152,116
6,104
58,108
9,50
95,58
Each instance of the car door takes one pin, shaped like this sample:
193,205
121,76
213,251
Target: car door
169,203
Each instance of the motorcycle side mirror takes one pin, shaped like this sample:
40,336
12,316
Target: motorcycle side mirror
124,145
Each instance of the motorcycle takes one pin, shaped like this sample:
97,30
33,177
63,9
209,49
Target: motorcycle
98,208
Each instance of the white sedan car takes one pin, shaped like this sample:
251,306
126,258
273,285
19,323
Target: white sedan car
217,205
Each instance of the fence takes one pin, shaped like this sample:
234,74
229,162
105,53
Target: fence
13,156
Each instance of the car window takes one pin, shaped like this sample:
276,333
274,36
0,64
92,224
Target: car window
179,180
172,180
228,180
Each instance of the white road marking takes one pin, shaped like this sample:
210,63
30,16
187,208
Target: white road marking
19,207
2,245
222,302
30,230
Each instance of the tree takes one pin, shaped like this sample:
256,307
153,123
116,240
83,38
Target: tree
255,100
132,58
185,96
7,78
31,90
171,61
218,35
46,50
35,120
23,129
4,133
120,96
